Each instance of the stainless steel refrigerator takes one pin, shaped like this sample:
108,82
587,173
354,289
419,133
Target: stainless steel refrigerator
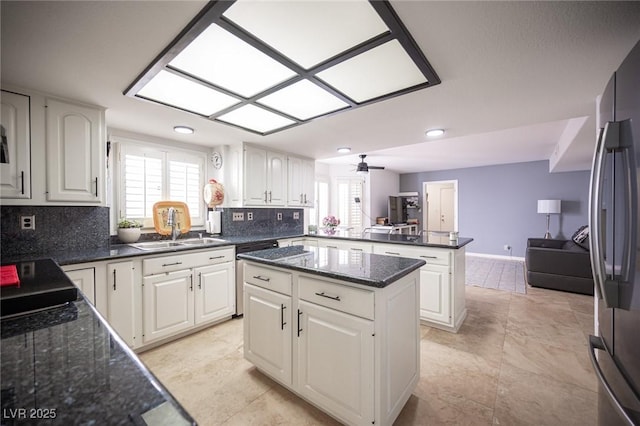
614,216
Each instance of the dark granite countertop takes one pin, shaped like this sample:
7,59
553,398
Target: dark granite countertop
65,365
358,267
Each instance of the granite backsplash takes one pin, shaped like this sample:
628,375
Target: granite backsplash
57,228
265,222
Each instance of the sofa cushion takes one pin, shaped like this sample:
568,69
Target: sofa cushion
581,237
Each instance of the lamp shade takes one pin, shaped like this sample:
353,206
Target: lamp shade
549,206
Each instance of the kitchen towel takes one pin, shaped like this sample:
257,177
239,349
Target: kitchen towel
9,276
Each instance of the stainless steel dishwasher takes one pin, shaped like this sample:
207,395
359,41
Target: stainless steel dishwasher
245,248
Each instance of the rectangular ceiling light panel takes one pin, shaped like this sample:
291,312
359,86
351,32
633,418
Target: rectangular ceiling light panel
377,72
269,65
226,61
174,90
308,32
256,119
303,100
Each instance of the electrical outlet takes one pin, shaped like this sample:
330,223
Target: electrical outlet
28,222
249,215
279,216
238,216
296,215
507,247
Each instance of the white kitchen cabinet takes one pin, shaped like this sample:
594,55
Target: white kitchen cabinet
265,177
186,290
122,300
353,246
84,279
267,332
301,176
75,144
442,292
214,296
351,350
15,165
336,362
287,242
167,304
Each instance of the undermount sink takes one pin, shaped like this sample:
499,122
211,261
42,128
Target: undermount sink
159,245
200,241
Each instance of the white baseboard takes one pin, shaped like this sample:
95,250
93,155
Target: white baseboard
496,256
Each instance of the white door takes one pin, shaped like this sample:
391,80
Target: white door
15,164
84,279
435,294
336,362
276,179
75,147
167,304
255,176
440,199
215,296
267,331
121,300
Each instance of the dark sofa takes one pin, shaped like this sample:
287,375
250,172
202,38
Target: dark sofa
558,265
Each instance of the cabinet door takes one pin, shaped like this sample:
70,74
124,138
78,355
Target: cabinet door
255,176
215,296
15,161
336,362
295,191
84,279
121,300
435,294
75,146
276,179
167,304
267,331
308,182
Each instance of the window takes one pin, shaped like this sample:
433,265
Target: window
321,203
149,174
349,212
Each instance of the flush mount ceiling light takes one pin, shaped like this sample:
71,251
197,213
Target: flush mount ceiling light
344,150
434,133
186,130
270,66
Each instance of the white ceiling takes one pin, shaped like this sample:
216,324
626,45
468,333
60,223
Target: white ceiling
518,78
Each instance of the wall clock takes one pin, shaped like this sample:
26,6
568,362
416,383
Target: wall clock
216,159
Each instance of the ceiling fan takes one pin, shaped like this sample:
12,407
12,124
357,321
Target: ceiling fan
363,167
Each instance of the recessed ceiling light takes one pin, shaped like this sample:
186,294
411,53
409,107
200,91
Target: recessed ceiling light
344,150
183,129
434,132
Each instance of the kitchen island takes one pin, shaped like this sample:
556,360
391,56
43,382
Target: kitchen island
338,328
65,365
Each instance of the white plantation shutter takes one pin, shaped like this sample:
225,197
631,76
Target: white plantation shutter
349,211
149,174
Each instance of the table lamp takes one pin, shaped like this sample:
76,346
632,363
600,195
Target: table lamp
548,207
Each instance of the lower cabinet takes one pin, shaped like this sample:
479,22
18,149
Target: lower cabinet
353,351
335,361
168,304
214,297
84,279
435,293
121,300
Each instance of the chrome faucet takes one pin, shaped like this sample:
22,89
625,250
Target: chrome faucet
172,221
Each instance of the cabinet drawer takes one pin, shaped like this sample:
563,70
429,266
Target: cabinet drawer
429,255
335,296
186,260
268,278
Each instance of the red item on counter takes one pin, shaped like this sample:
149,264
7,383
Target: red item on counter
9,276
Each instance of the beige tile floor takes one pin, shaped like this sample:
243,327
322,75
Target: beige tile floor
519,359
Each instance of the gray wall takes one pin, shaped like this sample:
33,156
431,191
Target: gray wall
498,204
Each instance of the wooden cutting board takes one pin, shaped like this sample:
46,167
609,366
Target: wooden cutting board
161,216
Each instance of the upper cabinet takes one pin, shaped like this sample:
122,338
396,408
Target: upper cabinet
265,177
15,164
75,138
301,176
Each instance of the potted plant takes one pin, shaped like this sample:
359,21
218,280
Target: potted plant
330,224
129,230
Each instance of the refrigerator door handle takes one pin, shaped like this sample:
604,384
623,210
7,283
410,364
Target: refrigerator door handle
597,343
595,190
630,201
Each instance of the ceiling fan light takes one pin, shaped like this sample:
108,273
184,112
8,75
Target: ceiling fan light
362,168
432,133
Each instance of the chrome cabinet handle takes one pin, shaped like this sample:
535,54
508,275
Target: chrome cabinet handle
96,187
200,280
429,257
355,249
22,180
265,196
171,264
270,199
114,280
216,257
597,343
305,198
191,282
299,329
261,278
336,298
392,252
